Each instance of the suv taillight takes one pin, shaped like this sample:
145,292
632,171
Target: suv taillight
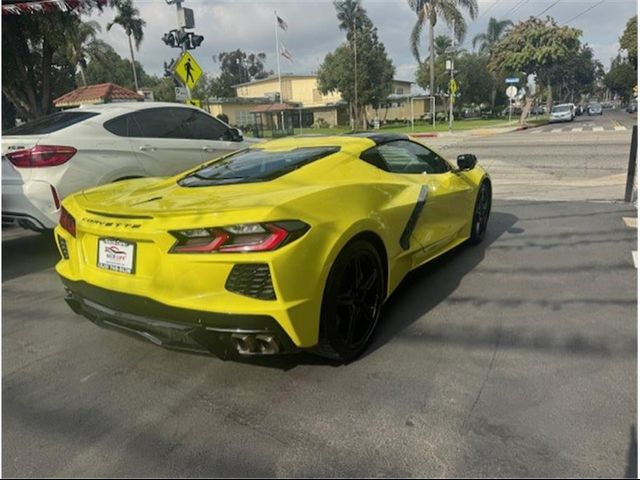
41,156
67,221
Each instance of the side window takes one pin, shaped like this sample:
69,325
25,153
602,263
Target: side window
123,126
154,123
404,156
199,126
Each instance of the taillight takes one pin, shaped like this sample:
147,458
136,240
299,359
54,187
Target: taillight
248,237
41,156
67,222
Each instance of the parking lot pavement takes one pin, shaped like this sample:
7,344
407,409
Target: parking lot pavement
515,358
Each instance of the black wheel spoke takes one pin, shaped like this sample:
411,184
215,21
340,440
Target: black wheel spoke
369,282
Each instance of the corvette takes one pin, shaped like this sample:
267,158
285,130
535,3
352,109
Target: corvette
289,245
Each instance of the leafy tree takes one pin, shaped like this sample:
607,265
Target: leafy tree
82,43
371,75
621,78
237,67
495,31
35,63
128,18
629,41
577,75
111,67
536,46
428,12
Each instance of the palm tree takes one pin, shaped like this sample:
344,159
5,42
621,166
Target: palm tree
81,45
352,18
495,30
128,18
428,11
441,43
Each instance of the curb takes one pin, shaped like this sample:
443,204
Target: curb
424,135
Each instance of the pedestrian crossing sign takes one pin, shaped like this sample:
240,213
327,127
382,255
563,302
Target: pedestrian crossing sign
187,70
194,102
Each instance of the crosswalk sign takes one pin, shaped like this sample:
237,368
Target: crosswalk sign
194,102
453,86
187,70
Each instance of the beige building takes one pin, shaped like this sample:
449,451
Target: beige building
303,105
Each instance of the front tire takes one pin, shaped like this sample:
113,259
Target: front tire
352,302
481,213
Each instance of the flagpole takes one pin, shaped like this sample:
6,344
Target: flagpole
275,18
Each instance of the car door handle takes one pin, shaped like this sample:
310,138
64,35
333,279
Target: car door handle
147,148
208,149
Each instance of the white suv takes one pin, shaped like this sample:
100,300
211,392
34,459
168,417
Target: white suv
46,160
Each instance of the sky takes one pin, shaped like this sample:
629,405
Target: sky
313,32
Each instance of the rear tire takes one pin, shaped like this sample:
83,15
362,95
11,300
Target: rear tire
352,302
481,213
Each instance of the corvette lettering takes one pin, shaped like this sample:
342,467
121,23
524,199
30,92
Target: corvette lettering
111,224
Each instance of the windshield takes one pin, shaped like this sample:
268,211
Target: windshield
50,123
595,105
254,165
561,108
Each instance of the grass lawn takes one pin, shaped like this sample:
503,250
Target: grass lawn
422,127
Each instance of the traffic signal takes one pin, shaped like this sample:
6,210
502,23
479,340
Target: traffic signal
178,38
195,40
169,38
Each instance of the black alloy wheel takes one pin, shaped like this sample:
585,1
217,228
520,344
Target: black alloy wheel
481,213
352,302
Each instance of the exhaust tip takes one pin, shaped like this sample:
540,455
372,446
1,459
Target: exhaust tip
268,344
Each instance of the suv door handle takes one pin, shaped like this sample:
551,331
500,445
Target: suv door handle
208,149
147,148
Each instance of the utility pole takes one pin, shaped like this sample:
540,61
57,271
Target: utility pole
183,46
451,92
355,66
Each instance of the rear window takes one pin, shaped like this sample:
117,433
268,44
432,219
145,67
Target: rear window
561,108
254,165
50,123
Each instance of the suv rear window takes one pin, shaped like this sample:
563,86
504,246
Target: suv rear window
50,123
254,165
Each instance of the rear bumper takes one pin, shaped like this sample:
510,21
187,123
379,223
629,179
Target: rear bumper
29,205
224,335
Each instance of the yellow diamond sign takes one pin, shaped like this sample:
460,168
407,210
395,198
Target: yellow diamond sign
194,102
453,86
188,70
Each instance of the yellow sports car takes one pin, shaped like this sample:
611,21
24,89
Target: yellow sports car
291,244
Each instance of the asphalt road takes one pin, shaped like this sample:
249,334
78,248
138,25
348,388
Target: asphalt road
586,159
514,358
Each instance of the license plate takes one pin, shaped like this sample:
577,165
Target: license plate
116,255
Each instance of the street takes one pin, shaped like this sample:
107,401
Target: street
515,358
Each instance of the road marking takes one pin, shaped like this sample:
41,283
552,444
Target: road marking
535,130
556,130
631,222
635,258
619,128
598,129
578,129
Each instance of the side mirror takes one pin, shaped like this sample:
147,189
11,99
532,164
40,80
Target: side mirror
467,161
235,135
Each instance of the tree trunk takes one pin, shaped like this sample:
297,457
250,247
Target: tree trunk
32,110
84,80
432,57
133,64
47,57
549,97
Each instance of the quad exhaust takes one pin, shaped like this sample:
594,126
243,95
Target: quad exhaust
249,344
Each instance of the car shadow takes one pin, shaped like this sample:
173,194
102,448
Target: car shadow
409,302
26,252
426,287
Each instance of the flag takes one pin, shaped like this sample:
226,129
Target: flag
285,53
281,23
